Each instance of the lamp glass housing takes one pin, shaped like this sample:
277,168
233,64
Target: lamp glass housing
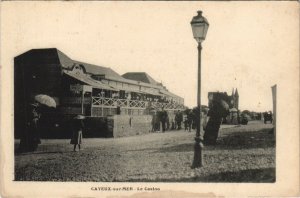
199,27
199,31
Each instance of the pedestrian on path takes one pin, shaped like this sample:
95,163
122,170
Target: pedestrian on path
178,119
185,124
78,127
31,137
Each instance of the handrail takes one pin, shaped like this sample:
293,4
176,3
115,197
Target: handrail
125,103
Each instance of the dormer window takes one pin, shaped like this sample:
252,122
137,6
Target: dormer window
78,69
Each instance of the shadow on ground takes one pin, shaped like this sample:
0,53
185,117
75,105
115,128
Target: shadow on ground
264,175
233,141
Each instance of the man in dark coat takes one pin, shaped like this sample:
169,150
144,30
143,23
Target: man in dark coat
163,119
217,111
190,121
178,119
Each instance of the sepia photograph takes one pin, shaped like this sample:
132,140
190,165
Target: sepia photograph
141,97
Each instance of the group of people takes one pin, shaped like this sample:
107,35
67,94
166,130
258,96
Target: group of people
187,124
161,121
211,120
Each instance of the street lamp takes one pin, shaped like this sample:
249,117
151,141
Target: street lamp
199,26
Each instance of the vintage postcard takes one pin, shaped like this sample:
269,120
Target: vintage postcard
149,99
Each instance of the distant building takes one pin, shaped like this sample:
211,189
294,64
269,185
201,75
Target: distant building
232,100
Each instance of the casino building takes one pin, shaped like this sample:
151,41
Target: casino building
95,91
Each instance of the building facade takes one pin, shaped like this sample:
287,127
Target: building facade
82,88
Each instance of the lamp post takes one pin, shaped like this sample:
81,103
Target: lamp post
199,27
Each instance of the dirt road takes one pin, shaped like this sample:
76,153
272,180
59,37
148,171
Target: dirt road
243,154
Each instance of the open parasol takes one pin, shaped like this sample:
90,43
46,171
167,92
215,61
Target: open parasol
79,117
224,105
45,100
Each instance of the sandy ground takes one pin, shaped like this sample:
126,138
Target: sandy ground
243,154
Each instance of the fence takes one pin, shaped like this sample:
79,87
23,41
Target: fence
102,107
115,102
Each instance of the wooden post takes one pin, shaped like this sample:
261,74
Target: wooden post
91,105
274,97
82,101
102,103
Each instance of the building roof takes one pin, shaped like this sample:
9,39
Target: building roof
55,56
140,76
40,56
87,80
100,70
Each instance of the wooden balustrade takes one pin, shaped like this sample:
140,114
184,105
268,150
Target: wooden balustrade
124,103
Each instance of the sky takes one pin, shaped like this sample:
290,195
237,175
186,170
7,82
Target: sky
247,47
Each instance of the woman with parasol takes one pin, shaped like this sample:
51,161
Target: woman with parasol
78,127
31,137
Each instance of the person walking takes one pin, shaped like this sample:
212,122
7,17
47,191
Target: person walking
168,123
163,119
172,124
78,127
185,122
34,128
178,119
31,138
153,123
189,121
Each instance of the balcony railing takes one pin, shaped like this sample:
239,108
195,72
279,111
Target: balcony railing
114,102
124,103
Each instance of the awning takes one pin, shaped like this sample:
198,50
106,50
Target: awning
127,89
151,92
87,80
168,93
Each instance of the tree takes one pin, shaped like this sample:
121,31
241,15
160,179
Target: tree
246,112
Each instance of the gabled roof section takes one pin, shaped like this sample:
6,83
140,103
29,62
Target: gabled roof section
140,76
64,60
100,70
87,80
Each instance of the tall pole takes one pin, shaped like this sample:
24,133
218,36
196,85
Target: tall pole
82,100
102,101
198,148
